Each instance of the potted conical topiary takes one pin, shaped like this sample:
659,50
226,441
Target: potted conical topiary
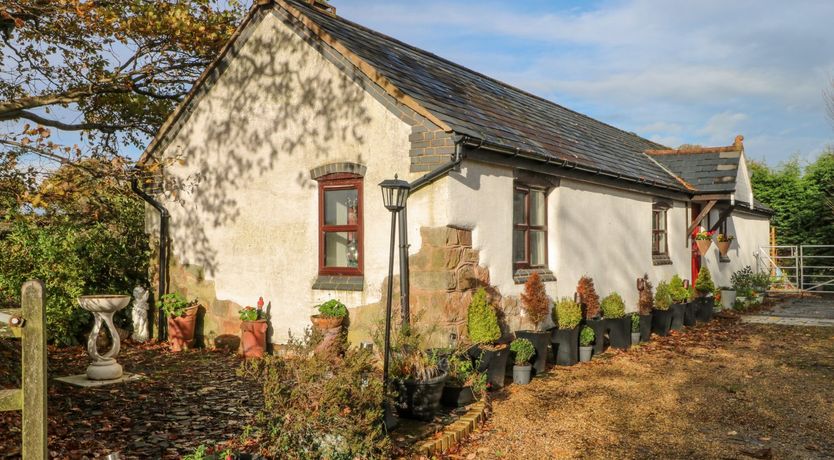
523,351
484,331
678,307
586,344
253,328
616,323
535,303
704,288
567,314
645,306
182,320
661,316
703,240
589,301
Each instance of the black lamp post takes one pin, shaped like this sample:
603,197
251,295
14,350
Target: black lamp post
394,196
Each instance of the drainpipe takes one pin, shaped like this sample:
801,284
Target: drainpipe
163,253
417,184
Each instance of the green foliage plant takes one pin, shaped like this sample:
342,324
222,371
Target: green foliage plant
523,350
662,296
567,313
315,407
586,336
635,323
761,281
704,284
677,290
743,281
174,304
482,320
463,373
332,309
613,306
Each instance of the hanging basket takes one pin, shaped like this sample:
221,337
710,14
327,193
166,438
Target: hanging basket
723,247
703,246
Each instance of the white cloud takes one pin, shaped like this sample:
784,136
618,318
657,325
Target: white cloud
723,127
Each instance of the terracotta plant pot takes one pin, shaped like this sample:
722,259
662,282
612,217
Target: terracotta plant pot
325,323
723,247
331,330
253,338
703,246
181,329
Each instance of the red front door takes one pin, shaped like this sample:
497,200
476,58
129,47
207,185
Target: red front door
696,256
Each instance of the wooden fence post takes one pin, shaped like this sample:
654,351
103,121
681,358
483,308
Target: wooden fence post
33,345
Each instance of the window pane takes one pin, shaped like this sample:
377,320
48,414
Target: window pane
537,208
536,248
518,246
661,243
341,207
341,249
519,210
661,220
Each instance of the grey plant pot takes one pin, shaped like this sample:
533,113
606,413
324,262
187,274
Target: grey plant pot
521,374
585,353
635,338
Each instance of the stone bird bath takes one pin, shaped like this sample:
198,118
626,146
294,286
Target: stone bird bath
103,367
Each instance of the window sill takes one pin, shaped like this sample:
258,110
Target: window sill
661,260
520,275
723,259
339,283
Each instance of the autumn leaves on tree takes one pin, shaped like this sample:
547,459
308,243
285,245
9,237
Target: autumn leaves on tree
534,301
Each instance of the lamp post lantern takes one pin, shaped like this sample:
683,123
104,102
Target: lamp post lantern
394,196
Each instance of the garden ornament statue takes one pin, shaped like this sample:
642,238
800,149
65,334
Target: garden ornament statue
104,366
139,314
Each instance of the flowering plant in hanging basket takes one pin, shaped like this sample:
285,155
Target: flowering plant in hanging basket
703,240
723,242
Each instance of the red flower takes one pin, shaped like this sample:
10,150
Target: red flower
260,303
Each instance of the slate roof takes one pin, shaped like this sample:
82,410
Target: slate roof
709,172
484,108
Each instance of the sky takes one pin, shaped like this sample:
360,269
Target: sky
675,72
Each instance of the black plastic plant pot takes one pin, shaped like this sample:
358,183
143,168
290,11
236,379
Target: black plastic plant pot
493,361
566,346
599,327
420,400
678,312
540,340
454,396
645,328
705,309
661,322
619,332
689,314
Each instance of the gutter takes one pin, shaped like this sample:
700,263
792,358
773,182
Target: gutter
441,170
164,217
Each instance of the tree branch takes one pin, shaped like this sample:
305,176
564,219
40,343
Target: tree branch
104,127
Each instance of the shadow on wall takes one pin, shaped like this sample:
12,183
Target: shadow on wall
269,105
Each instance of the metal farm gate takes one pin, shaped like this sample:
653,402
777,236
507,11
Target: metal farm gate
803,268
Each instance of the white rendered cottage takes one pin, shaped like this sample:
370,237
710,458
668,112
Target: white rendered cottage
271,169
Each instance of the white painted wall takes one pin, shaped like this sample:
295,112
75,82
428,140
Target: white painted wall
248,209
751,232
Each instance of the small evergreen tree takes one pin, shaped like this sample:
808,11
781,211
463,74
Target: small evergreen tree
613,306
588,297
677,290
662,297
534,300
646,302
704,284
481,320
567,314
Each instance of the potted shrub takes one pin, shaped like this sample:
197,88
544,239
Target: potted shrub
589,301
253,328
679,295
616,323
523,351
535,304
645,306
661,316
703,240
723,242
728,297
567,314
329,324
704,288
635,329
421,386
464,384
761,283
484,332
586,342
743,284
182,318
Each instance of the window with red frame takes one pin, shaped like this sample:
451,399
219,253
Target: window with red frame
340,224
529,227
